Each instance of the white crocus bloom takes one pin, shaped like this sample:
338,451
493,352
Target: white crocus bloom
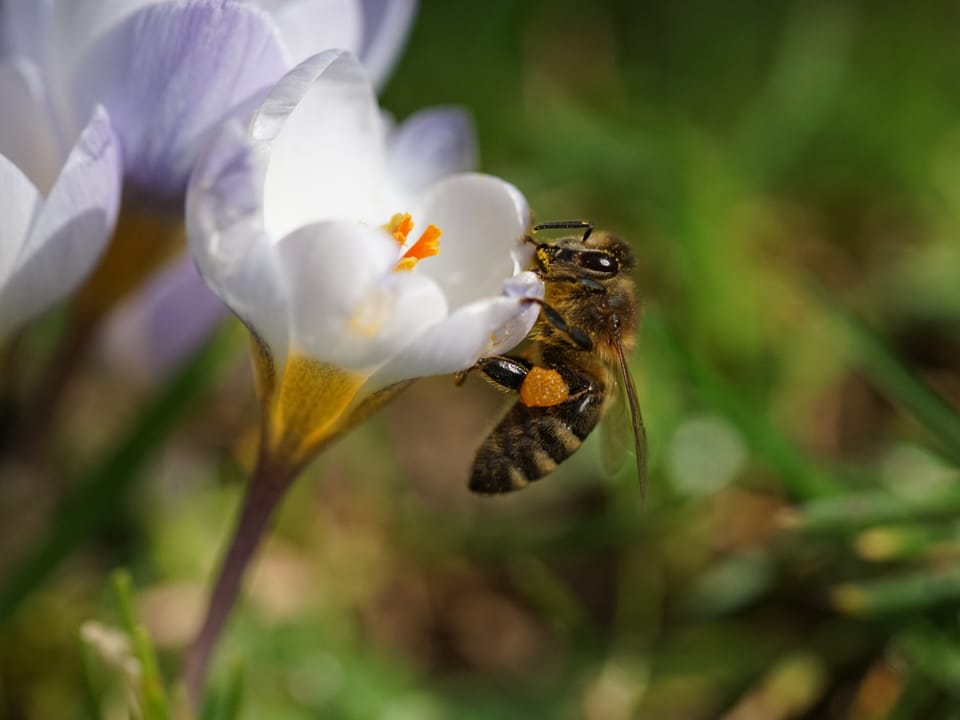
172,314
319,239
57,216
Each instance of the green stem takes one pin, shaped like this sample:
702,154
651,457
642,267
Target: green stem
30,439
267,488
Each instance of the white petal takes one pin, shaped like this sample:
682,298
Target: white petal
349,306
483,220
71,228
387,320
311,26
326,142
227,239
485,327
386,27
334,264
169,74
19,203
430,145
27,135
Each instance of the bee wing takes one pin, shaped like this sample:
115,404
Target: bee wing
615,428
636,420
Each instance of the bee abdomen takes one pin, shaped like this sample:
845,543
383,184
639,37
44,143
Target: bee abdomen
529,443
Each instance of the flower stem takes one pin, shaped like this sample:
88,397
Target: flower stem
32,435
267,488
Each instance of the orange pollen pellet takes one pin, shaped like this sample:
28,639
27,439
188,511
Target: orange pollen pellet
543,387
426,246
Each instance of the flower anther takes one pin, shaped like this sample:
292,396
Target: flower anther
427,245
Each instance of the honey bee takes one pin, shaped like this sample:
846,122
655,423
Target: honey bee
573,367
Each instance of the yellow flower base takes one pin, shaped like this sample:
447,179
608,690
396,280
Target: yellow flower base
142,241
303,404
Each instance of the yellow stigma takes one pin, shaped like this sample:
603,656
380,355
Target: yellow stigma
427,245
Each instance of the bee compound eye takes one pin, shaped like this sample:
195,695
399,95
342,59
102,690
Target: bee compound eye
599,262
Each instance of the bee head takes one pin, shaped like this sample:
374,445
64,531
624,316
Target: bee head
599,256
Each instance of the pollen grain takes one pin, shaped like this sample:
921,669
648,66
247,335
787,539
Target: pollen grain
543,387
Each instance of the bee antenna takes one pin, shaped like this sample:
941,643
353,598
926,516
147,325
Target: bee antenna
584,225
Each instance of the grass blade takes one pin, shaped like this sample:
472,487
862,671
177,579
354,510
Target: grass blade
895,379
155,705
875,507
902,593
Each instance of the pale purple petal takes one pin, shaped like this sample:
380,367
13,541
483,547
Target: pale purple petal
71,228
386,27
69,28
169,74
23,27
68,32
523,286
430,145
227,239
311,26
151,333
27,136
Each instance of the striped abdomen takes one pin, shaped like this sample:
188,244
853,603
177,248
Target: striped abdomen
530,442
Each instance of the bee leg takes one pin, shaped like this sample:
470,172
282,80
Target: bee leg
585,283
538,386
503,372
577,336
591,285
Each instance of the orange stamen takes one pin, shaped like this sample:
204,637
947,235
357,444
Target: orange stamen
400,226
426,246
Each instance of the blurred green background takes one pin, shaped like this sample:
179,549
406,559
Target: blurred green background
789,176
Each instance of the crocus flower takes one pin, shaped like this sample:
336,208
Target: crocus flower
351,279
314,230
151,332
57,216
